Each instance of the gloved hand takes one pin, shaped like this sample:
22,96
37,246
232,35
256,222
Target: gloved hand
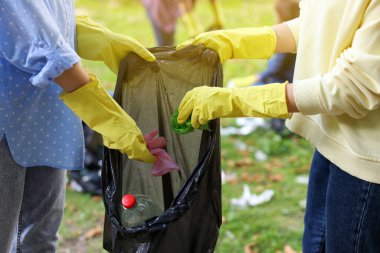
242,43
101,113
97,43
206,103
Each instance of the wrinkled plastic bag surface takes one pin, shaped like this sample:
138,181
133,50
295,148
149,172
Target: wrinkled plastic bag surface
191,197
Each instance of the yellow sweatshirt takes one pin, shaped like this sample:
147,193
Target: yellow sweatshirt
337,82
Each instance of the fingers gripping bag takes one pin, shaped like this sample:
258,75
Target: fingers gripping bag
179,211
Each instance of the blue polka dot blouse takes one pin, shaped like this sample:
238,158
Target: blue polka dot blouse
37,41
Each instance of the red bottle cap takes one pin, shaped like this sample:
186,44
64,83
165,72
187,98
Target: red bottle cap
128,201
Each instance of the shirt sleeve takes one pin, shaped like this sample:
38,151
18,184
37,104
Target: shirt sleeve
293,26
353,85
31,41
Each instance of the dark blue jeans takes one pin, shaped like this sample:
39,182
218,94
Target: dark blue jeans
342,211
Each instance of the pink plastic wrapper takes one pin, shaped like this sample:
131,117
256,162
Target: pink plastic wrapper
164,163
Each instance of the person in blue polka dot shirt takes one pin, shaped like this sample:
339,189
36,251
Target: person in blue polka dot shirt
44,95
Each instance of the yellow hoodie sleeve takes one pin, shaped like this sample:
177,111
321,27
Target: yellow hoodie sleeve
352,84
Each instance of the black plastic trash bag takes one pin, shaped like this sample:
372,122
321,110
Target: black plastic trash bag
191,198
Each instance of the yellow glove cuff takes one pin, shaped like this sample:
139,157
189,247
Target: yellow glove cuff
266,101
242,43
101,113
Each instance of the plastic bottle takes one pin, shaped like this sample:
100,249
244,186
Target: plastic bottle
135,209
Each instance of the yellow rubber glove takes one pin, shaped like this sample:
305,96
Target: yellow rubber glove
97,43
206,103
192,26
101,113
242,43
219,19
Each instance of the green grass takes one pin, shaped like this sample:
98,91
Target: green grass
278,222
269,226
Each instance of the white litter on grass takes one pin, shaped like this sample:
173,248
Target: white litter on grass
302,204
247,126
302,179
253,122
229,235
261,156
242,146
248,199
228,177
226,131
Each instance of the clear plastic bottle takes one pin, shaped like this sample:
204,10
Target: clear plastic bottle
135,209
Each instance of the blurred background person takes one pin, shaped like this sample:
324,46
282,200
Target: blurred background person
164,15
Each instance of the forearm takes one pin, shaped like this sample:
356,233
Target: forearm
73,78
285,42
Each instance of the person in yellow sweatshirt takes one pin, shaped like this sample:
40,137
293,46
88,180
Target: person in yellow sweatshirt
334,102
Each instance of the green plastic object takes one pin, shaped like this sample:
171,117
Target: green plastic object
186,127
